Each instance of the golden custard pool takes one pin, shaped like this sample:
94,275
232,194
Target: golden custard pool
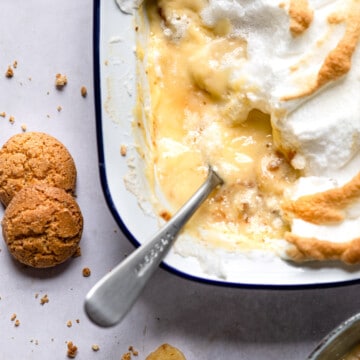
267,92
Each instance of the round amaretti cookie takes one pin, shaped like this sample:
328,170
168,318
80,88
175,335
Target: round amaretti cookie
42,226
34,158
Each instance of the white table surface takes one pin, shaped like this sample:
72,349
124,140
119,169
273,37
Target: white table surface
205,322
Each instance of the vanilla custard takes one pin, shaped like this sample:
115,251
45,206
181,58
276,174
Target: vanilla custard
268,93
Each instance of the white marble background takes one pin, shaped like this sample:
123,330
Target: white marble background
205,322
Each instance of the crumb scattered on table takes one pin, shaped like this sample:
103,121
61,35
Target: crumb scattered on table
44,299
71,350
11,119
15,64
69,324
86,272
133,350
60,80
23,127
123,150
126,356
9,72
3,114
17,322
59,108
13,317
83,91
95,347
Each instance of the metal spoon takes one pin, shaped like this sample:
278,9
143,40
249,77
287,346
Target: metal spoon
112,297
339,341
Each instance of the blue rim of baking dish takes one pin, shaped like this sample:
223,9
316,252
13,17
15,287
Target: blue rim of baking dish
113,209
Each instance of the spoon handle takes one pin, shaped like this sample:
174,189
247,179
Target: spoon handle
112,297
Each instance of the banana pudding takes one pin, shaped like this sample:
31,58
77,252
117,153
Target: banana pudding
267,92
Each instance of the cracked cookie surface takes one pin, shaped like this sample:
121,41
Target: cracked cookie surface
42,226
34,158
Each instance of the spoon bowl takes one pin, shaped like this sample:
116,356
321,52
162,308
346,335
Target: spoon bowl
112,297
339,341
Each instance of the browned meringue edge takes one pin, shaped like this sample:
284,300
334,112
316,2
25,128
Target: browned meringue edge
301,16
323,208
338,61
306,249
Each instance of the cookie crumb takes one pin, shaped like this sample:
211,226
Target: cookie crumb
23,127
15,64
126,356
123,150
17,322
9,72
11,119
44,299
133,350
83,91
69,324
13,317
71,350
95,347
86,272
60,81
59,108
77,321
36,295
3,114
